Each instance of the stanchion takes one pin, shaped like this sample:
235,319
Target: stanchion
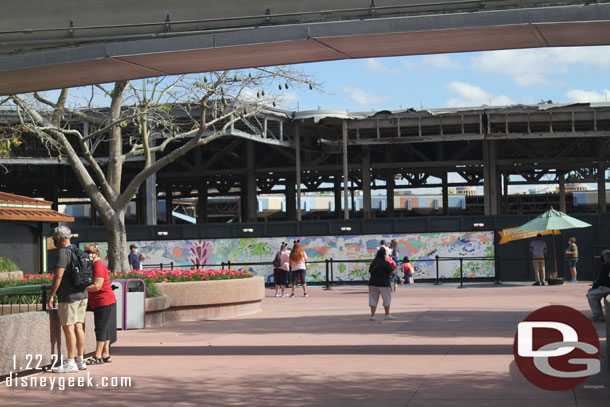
160,266
438,281
497,258
222,265
327,271
171,265
229,265
332,271
461,272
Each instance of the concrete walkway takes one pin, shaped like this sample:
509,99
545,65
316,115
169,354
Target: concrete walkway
448,347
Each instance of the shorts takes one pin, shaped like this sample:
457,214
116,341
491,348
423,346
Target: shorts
101,317
385,292
71,313
295,274
572,263
279,276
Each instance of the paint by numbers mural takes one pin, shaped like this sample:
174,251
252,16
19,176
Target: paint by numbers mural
421,248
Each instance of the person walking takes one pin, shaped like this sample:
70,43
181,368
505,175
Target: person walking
298,260
600,288
538,250
71,303
103,303
394,256
572,257
381,271
280,269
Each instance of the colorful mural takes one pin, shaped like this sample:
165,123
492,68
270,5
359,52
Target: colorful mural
421,248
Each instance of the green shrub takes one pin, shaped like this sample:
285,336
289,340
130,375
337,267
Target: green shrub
7,265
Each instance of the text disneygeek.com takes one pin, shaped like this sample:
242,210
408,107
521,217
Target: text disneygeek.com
62,382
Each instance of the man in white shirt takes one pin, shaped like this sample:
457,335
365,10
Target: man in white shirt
538,250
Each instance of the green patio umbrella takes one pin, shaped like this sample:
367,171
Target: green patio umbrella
553,220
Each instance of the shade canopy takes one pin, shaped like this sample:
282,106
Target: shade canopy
553,220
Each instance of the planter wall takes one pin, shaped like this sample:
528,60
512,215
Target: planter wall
202,300
32,334
155,311
11,275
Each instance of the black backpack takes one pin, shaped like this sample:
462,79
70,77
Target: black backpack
277,262
80,268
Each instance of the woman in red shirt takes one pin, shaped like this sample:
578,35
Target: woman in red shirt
103,303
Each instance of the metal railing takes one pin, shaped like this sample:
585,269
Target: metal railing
331,263
24,298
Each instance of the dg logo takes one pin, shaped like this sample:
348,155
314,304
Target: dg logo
556,348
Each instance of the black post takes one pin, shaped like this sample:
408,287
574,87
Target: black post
44,298
497,258
332,271
437,271
161,266
171,265
327,271
222,265
229,265
461,272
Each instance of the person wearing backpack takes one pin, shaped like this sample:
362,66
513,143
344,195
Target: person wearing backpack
280,270
71,302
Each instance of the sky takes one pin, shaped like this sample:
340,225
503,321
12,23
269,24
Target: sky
528,76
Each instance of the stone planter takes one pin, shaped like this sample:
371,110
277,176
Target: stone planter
202,300
11,275
35,335
155,311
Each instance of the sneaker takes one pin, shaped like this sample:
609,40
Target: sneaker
278,295
597,319
372,318
82,365
389,317
536,283
286,295
67,367
305,295
291,295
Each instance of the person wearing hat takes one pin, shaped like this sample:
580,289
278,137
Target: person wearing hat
600,288
134,261
538,250
71,304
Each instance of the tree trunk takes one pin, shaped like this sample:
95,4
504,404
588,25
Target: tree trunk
117,243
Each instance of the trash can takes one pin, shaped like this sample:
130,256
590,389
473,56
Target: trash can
130,302
134,313
119,292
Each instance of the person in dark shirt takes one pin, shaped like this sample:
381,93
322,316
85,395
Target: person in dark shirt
600,288
134,261
71,304
381,270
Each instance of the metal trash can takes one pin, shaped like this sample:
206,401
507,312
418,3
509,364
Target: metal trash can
119,292
132,306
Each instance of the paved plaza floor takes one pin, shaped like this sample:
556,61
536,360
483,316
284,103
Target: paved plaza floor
448,347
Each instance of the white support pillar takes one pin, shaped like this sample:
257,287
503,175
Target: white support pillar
345,174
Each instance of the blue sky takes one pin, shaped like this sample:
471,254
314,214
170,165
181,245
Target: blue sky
563,75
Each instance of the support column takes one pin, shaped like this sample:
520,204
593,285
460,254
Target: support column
202,202
601,187
150,193
345,173
291,207
562,190
251,202
389,179
366,182
298,169
93,216
505,177
445,194
337,192
169,219
490,178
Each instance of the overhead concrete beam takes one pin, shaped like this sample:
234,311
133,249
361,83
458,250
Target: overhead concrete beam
168,53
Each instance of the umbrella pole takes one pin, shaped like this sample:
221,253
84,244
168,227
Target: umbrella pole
554,256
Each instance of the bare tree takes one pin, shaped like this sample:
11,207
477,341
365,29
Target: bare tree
141,120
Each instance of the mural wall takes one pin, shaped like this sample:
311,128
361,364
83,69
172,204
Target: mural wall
421,248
